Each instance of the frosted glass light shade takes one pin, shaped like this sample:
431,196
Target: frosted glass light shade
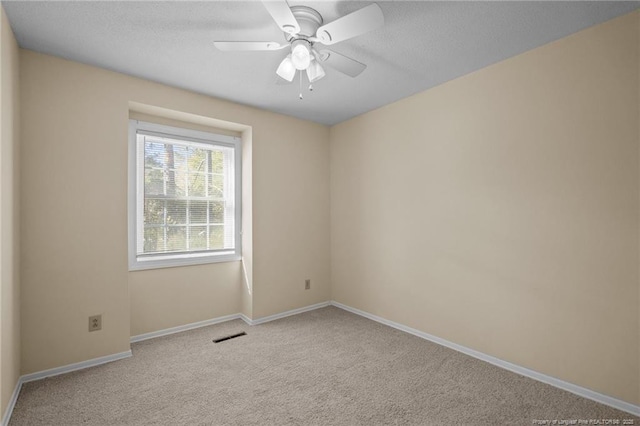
315,71
300,55
286,69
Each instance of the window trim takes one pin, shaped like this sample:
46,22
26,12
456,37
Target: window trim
135,195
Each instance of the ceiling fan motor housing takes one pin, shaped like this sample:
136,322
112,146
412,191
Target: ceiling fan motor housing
309,20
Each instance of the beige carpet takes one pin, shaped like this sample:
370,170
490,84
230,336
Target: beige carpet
325,367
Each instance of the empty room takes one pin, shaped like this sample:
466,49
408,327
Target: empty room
319,213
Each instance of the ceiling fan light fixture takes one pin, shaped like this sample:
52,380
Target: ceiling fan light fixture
286,69
315,72
300,54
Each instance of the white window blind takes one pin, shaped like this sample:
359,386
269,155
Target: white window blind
187,198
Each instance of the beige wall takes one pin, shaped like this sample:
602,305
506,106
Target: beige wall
500,210
75,262
167,297
9,214
290,217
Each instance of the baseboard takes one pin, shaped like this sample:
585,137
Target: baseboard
246,319
287,313
55,372
76,366
218,320
12,403
561,384
180,328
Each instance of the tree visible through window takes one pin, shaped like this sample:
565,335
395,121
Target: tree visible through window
186,194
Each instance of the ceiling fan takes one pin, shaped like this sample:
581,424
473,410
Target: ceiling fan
303,27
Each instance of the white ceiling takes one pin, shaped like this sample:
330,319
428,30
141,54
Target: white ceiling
422,44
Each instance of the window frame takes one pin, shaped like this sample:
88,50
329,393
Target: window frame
136,198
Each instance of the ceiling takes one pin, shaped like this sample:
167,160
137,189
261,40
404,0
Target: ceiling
422,44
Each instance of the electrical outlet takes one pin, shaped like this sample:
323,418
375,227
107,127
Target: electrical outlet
95,323
307,284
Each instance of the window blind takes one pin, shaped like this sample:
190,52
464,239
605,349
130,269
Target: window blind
185,197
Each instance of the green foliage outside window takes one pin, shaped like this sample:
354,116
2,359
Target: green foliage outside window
183,198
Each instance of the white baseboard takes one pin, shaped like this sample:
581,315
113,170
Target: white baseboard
218,320
12,403
287,313
73,367
55,372
561,384
180,328
246,319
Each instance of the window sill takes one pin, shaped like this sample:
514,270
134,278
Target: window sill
159,263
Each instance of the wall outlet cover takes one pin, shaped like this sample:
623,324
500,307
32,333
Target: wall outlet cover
95,323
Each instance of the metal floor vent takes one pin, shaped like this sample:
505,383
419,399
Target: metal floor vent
232,336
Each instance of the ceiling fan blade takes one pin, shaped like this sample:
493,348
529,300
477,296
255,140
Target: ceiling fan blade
352,25
245,46
341,63
281,13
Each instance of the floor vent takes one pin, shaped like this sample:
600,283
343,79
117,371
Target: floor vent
233,336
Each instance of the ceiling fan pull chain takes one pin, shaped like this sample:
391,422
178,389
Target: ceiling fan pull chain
301,85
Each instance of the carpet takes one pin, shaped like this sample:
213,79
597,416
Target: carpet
324,367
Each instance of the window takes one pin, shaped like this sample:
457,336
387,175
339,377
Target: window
184,196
